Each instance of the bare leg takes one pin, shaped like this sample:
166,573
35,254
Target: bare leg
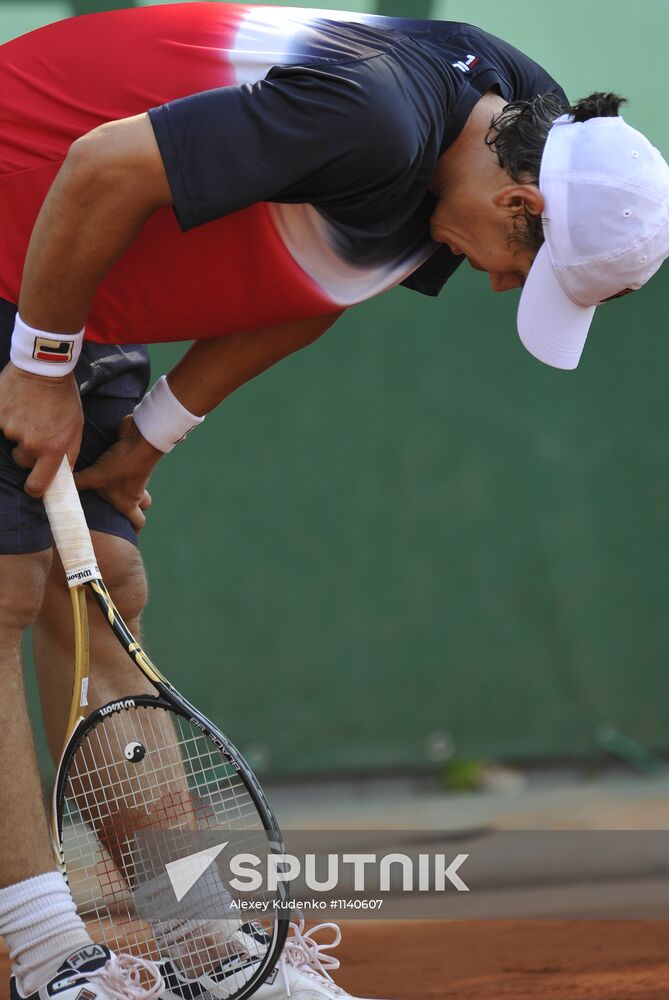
112,672
25,846
113,676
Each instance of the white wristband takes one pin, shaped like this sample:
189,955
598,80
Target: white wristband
161,419
44,353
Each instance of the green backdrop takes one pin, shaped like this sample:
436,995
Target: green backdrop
413,527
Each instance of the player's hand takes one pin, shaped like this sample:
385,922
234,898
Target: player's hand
43,416
122,473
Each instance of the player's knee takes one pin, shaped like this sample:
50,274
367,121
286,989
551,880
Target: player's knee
22,582
123,573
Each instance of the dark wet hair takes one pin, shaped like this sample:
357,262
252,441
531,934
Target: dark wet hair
518,136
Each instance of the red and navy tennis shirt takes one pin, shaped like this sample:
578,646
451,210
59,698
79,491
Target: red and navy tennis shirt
299,147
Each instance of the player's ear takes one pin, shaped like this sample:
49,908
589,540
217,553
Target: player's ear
518,197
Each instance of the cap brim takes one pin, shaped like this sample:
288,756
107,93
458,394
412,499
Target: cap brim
551,326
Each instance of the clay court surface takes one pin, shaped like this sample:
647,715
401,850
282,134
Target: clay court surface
501,960
508,960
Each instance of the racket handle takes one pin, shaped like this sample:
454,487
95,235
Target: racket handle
69,529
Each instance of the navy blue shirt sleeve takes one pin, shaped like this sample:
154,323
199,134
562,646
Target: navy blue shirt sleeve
326,135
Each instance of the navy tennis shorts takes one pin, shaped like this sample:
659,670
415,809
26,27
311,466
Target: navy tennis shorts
111,381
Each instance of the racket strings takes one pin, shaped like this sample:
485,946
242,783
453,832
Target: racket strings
148,770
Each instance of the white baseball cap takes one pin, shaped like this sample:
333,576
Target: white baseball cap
606,228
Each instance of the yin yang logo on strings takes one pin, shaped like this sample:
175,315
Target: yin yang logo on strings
134,752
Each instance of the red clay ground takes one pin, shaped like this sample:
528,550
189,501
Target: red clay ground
507,960
501,960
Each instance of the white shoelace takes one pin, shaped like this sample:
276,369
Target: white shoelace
121,975
305,954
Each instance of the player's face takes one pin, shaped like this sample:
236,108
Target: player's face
488,246
506,267
482,230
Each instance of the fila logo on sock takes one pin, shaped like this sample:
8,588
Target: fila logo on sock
58,351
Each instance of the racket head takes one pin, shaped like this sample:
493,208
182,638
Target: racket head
148,779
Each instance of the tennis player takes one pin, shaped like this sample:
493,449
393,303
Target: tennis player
240,176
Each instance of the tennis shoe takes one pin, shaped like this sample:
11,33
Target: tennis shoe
95,973
302,972
245,948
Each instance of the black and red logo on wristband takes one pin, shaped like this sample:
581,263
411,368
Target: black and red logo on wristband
57,351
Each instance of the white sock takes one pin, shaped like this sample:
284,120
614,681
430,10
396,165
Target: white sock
41,926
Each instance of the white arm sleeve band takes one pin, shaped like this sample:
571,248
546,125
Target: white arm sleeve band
44,353
161,419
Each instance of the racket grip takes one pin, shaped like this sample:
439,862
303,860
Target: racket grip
69,529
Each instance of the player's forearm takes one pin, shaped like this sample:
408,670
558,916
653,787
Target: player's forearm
207,373
109,184
212,369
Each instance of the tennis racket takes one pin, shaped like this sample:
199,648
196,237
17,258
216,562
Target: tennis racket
144,766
